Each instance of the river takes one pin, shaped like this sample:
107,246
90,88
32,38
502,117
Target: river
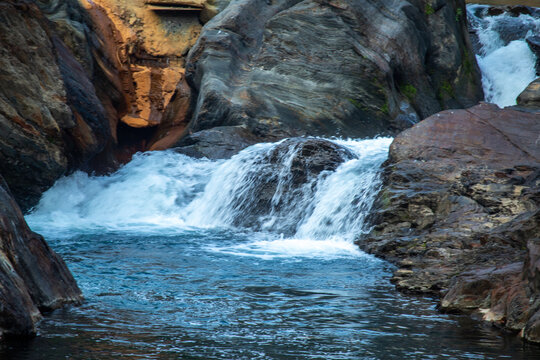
173,265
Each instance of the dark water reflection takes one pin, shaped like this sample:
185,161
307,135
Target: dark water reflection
181,297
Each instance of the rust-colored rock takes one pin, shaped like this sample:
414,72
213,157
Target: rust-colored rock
149,54
459,213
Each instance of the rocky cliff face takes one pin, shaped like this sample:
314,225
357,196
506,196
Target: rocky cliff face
50,116
32,277
340,67
459,213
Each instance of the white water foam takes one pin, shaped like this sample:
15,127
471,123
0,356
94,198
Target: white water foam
166,193
507,69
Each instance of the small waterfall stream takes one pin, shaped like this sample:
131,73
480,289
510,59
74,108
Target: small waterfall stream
504,57
167,192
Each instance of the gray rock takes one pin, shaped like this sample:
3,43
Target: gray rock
279,179
331,67
216,143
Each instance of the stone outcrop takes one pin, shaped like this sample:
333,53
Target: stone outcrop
217,143
50,117
459,212
333,67
105,69
33,278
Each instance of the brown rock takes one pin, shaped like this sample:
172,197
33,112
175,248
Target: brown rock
32,277
458,207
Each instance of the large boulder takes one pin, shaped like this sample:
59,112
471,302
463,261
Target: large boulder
33,278
331,67
274,186
51,119
459,207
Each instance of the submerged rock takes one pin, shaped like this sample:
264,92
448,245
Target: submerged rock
274,183
459,212
33,278
347,67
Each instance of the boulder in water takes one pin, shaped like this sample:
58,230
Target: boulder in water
33,278
220,142
273,187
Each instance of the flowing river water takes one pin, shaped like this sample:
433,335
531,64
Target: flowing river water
173,265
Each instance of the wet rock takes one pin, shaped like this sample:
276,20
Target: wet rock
277,180
51,120
346,67
534,44
216,143
459,211
530,97
33,278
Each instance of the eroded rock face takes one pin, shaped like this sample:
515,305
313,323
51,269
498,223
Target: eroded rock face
341,67
33,278
51,119
459,209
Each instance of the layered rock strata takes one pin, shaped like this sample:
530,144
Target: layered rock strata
459,213
339,67
50,117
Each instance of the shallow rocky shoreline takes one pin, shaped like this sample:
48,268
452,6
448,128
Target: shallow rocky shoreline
459,214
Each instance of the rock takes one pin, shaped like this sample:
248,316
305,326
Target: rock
33,278
530,97
51,120
458,212
332,67
216,143
32,117
534,44
275,182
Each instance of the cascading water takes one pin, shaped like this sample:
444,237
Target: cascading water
505,59
246,258
167,192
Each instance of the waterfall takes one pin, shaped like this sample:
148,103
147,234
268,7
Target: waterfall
260,190
504,57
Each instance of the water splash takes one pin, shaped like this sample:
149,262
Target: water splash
507,65
170,193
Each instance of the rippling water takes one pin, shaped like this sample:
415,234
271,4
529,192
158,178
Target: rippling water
167,275
182,296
